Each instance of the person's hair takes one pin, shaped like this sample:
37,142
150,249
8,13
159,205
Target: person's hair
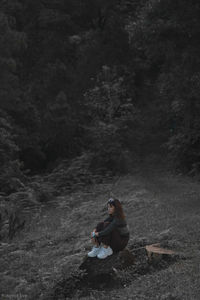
119,213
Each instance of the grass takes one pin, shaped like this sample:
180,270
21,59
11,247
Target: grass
159,205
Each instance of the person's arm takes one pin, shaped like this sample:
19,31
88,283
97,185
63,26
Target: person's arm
108,229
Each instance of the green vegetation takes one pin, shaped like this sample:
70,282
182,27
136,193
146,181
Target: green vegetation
120,79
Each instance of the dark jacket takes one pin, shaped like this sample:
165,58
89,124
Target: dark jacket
115,223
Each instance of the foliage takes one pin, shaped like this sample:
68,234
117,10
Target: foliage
113,121
10,173
76,76
164,41
8,148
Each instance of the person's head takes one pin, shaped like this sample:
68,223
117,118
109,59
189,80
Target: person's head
115,208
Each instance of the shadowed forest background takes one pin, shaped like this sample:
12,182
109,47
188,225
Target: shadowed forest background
114,80
89,89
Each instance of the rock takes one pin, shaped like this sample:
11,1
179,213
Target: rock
101,274
116,271
94,273
119,261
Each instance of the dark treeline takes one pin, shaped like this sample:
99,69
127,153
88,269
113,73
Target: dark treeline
115,79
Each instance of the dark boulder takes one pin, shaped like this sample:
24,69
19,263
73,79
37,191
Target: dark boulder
95,273
118,261
116,271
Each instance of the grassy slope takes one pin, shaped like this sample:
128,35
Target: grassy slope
157,204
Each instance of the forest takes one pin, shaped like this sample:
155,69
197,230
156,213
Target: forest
88,89
115,80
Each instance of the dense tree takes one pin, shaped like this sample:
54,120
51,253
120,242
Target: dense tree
165,37
79,75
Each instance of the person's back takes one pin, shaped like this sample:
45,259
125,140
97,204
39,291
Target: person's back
120,225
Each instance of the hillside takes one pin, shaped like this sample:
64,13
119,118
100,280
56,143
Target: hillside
160,206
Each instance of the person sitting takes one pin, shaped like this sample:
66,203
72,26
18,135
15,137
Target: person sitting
111,235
